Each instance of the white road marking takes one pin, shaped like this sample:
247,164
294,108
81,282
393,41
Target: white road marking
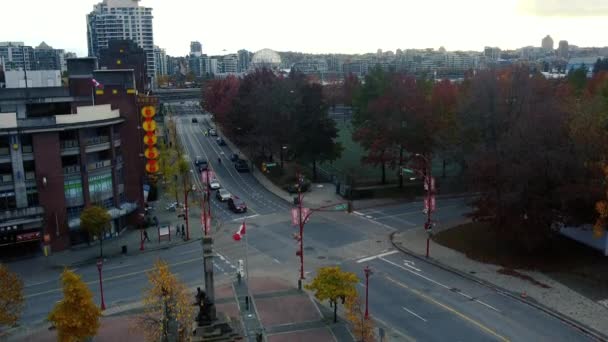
412,272
277,261
369,217
413,313
487,305
407,264
40,283
377,256
116,267
358,213
244,218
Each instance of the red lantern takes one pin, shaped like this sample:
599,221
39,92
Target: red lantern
151,153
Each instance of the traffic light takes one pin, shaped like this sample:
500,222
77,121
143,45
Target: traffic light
264,168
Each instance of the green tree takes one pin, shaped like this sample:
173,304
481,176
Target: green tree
95,221
333,284
166,301
75,316
11,296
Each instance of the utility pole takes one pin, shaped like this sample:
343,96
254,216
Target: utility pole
368,272
99,267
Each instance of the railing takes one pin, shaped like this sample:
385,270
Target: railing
65,144
19,213
6,179
100,164
97,140
71,169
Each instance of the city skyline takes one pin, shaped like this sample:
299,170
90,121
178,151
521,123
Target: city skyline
337,29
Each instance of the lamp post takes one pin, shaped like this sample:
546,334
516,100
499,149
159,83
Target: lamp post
429,185
281,154
193,188
99,267
368,272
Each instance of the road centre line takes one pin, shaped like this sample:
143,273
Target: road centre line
114,277
450,309
413,313
377,256
244,218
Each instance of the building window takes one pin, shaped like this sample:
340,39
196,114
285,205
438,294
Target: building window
7,200
32,197
73,192
74,212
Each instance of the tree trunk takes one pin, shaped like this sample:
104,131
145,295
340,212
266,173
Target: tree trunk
401,167
314,170
383,173
336,311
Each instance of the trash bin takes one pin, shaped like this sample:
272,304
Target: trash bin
124,249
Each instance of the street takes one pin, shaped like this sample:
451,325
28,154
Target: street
417,300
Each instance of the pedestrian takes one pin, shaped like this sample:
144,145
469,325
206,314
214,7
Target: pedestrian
146,237
176,230
183,234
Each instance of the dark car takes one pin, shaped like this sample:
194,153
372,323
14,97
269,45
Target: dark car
194,120
234,157
241,165
220,141
201,163
237,205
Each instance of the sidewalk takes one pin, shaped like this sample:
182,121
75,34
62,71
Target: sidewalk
558,300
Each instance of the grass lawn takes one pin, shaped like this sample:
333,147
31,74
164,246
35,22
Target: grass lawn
581,268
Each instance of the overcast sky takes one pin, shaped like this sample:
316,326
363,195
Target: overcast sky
348,26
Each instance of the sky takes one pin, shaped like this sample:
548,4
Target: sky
325,26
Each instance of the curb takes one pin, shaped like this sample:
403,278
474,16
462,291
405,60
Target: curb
573,323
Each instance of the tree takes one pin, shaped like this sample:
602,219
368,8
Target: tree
95,220
333,284
363,328
75,316
165,301
599,228
11,296
314,133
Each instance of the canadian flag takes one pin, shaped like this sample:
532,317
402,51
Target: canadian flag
96,84
239,233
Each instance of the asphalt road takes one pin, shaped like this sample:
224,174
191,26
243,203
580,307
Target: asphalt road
416,300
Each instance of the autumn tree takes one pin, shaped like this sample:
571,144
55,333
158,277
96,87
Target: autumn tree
166,301
11,296
76,317
95,220
363,327
333,284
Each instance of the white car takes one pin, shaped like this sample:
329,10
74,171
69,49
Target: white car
214,184
223,195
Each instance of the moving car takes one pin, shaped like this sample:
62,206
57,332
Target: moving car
220,141
201,163
237,205
214,184
194,120
223,195
212,132
241,165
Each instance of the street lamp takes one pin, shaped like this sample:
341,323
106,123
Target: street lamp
99,267
429,185
193,188
281,154
368,272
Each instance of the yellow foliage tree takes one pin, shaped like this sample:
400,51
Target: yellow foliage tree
601,207
166,301
333,284
75,316
363,328
11,296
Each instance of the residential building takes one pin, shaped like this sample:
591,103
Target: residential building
244,59
492,53
120,20
562,50
311,66
16,56
229,64
196,49
547,43
160,60
47,58
59,154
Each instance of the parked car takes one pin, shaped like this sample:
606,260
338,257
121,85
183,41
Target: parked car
194,120
220,141
241,165
237,205
212,132
223,195
234,157
214,184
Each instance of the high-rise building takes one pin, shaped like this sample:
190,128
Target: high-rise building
118,20
125,54
16,56
196,48
562,49
492,53
47,58
547,43
244,57
160,58
229,64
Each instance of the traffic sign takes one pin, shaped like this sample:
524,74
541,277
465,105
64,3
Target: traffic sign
271,164
340,207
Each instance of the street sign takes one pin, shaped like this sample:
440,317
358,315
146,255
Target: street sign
271,164
294,215
406,170
340,207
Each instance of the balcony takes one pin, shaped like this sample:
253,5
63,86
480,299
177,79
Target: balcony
97,144
99,165
20,213
69,147
5,155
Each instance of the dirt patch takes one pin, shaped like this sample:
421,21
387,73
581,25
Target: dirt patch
513,273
